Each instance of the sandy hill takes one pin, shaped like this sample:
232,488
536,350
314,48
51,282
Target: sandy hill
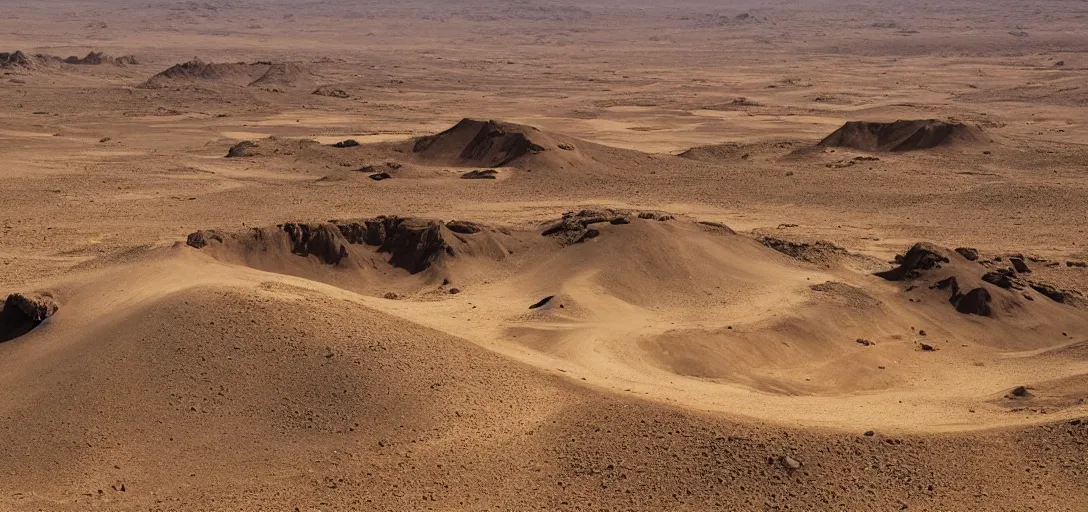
196,71
253,363
903,135
285,74
474,143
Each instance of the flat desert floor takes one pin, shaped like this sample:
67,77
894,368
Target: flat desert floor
536,255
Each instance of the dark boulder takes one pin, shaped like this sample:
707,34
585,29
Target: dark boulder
918,259
241,149
21,313
968,253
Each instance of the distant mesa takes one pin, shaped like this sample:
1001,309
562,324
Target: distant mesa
21,313
902,135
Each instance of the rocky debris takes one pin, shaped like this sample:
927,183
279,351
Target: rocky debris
99,58
901,135
918,259
383,167
1019,392
16,59
201,239
331,92
391,296
349,143
379,176
480,175
819,252
968,253
1077,264
454,291
1019,265
789,463
865,342
658,216
542,302
241,149
565,147
927,347
22,312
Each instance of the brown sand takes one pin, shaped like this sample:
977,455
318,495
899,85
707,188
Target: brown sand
753,302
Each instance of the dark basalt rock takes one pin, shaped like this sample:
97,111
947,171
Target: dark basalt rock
322,240
201,239
241,149
480,175
349,143
21,313
968,253
1051,292
920,258
1000,279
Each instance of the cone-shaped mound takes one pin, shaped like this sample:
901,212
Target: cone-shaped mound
902,135
497,144
284,74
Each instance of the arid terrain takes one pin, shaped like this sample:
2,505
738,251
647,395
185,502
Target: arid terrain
535,255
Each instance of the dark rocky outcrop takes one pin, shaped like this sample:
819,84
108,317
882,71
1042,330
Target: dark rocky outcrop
201,239
16,59
21,313
349,143
819,252
918,259
968,253
241,149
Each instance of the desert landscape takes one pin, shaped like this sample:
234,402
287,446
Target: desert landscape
535,255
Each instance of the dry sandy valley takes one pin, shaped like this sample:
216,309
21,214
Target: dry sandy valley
325,255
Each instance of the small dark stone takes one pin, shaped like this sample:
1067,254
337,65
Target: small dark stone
542,302
789,463
869,433
480,175
349,143
928,348
1051,292
921,332
379,176
1019,265
455,291
967,252
865,342
1019,392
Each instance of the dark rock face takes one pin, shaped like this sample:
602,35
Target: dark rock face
480,175
14,59
1019,265
968,253
464,227
201,239
920,258
974,302
1000,279
321,240
379,176
21,313
241,149
1051,292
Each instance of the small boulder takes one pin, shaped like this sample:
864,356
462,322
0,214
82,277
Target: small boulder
241,149
789,463
480,175
1019,265
968,253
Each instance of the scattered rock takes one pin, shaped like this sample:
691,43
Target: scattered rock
1078,264
869,433
969,253
1019,265
928,348
574,226
349,143
454,291
391,296
865,342
819,252
379,176
789,463
1000,279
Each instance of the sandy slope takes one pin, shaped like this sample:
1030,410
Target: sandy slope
729,349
